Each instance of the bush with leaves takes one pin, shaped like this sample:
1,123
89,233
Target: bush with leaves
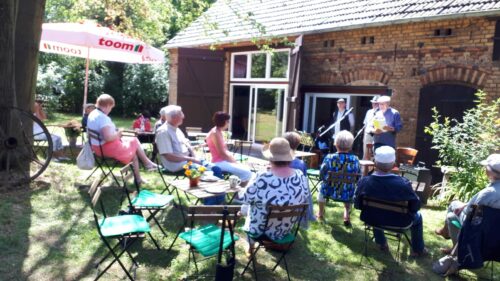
463,145
145,87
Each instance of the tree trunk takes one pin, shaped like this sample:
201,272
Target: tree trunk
28,33
20,31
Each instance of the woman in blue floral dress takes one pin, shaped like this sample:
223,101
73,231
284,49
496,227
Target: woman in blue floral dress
342,161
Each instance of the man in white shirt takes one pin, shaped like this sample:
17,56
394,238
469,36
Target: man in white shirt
368,123
172,144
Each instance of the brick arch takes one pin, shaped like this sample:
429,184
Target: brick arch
371,74
469,75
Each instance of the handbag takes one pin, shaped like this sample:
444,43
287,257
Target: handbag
225,272
85,159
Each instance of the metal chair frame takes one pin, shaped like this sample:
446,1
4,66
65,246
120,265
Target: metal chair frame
278,212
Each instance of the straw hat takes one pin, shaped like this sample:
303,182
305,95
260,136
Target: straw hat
278,150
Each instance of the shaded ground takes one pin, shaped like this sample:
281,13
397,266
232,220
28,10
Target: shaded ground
47,233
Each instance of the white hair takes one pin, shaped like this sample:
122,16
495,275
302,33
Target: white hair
171,111
163,111
344,140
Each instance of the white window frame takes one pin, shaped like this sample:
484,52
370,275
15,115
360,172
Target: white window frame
267,77
253,110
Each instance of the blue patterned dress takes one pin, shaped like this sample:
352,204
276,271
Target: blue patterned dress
268,189
338,162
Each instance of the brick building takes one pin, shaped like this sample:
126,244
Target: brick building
425,53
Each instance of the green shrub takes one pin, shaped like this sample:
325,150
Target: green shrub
464,144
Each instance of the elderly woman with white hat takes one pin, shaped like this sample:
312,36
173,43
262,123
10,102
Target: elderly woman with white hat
489,196
281,185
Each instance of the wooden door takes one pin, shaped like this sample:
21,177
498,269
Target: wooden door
200,85
451,101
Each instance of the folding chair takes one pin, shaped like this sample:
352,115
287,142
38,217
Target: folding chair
105,164
314,179
208,239
238,149
294,214
392,209
125,228
478,238
145,200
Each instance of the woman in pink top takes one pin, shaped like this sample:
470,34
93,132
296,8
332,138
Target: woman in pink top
221,157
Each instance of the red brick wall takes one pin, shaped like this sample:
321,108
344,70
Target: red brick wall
396,60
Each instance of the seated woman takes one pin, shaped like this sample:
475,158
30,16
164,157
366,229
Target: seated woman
281,185
221,157
341,161
489,196
123,149
143,122
58,148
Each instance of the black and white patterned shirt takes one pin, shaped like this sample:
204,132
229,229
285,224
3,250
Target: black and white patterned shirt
268,189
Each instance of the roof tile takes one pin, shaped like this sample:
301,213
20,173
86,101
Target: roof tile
288,17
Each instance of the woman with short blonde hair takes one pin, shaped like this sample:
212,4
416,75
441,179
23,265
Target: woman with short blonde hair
113,145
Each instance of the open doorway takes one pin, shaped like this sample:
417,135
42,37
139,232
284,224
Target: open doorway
319,108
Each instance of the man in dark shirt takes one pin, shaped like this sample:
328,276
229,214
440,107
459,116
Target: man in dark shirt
384,185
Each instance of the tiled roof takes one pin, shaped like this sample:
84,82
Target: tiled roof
240,20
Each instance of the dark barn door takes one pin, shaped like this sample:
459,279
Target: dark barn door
200,87
451,101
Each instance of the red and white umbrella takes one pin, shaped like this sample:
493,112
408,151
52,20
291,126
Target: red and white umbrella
91,41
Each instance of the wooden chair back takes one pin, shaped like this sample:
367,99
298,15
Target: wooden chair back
401,207
291,211
405,155
211,213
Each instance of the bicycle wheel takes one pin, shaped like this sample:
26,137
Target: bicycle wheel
25,146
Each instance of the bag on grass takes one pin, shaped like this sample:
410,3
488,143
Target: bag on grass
85,159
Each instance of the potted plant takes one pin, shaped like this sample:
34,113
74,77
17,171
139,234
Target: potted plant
193,172
73,130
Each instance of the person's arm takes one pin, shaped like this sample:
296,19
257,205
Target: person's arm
358,194
164,145
396,124
108,134
218,139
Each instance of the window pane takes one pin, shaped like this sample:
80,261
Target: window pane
240,66
279,64
258,66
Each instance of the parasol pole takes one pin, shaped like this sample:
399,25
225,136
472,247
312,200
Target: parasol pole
86,86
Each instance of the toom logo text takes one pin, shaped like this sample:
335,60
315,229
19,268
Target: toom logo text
61,49
121,45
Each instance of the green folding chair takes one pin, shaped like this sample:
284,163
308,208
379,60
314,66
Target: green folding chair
206,240
145,200
293,213
124,228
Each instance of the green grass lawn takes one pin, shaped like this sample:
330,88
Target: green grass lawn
47,232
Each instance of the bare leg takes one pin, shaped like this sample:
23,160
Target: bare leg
347,206
321,212
142,155
135,165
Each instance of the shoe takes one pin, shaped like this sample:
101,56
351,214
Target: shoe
347,223
55,159
320,218
441,232
446,251
152,168
423,253
384,248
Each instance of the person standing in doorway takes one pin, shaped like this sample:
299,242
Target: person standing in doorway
386,124
368,123
347,122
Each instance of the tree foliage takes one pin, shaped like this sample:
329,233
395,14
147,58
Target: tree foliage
153,21
463,145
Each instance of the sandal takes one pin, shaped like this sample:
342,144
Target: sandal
151,168
347,223
384,248
320,218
